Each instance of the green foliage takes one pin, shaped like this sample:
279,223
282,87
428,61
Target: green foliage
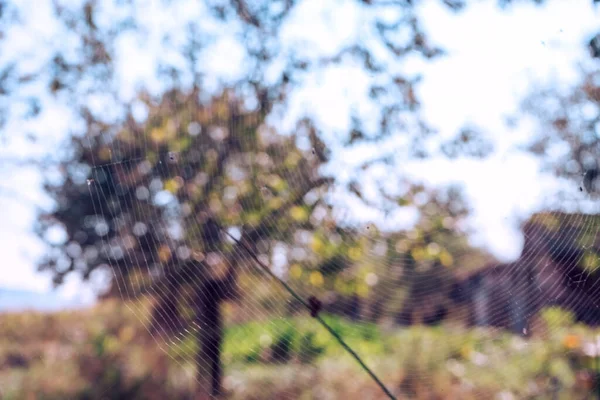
252,356
309,349
281,349
557,317
299,338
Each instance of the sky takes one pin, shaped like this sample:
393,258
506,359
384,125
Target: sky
492,59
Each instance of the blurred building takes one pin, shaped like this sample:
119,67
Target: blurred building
557,267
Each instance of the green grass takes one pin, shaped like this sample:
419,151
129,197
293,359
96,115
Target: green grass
307,339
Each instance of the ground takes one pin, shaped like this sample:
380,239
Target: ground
106,352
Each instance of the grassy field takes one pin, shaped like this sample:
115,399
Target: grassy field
106,352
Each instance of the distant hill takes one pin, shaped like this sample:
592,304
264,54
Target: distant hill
20,300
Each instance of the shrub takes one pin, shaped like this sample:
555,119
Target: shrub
556,317
281,349
309,349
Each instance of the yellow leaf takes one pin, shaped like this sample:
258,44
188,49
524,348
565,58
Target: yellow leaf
316,278
317,245
292,160
362,290
446,258
591,262
296,271
172,186
182,144
275,203
298,213
157,134
277,183
466,351
354,253
253,219
418,253
111,344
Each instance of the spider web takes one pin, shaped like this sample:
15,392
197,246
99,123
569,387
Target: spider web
150,208
157,247
150,272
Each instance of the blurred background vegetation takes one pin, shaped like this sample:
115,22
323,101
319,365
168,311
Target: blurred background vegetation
143,187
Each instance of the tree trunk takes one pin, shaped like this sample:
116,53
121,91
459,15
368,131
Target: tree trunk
209,338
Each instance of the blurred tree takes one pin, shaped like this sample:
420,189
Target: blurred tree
419,267
153,198
423,263
147,202
568,141
405,276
